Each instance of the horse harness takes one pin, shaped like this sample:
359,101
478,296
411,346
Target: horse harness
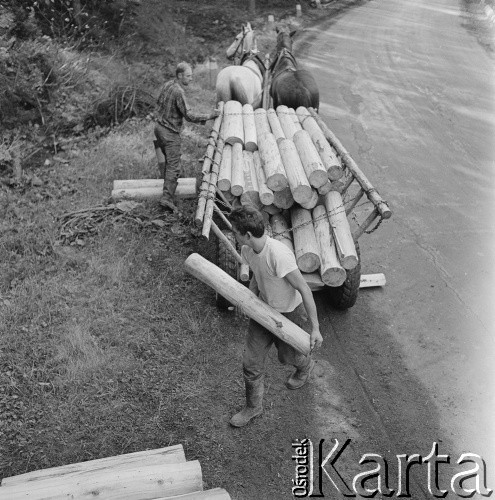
284,53
255,58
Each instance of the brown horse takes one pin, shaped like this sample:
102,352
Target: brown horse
291,86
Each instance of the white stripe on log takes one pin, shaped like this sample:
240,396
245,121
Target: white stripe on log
225,172
232,127
305,244
237,181
271,161
167,455
141,481
252,306
298,182
266,194
313,166
344,242
275,126
331,272
250,140
286,121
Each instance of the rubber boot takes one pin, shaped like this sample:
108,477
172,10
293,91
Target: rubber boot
254,403
168,199
300,377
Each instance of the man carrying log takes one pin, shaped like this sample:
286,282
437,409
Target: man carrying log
278,282
172,109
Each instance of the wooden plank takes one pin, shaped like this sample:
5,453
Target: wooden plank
372,280
113,483
168,455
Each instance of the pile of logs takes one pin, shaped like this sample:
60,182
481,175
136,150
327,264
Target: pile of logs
153,474
281,162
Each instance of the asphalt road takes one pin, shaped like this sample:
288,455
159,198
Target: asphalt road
410,93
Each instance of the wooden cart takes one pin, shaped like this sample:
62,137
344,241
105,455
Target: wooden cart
364,208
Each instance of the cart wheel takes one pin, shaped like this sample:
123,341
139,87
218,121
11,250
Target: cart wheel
345,295
227,263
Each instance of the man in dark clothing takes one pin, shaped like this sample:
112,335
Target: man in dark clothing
172,109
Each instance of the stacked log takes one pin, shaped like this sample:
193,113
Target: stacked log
250,194
298,182
281,231
295,119
313,166
250,139
271,161
283,199
233,127
327,154
344,242
305,244
237,180
225,172
286,121
162,473
265,193
331,271
262,125
275,126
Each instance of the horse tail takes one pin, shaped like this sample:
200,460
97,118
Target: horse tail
237,91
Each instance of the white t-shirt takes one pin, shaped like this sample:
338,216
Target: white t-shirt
270,267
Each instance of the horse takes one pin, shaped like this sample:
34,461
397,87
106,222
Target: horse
291,86
244,82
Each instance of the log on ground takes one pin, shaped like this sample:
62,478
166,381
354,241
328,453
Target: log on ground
144,481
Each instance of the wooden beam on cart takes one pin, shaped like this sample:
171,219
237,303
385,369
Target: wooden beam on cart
372,194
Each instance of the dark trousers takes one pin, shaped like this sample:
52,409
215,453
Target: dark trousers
170,144
259,341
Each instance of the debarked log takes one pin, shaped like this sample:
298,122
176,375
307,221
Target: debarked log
344,243
252,306
271,161
331,271
305,244
233,127
145,481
